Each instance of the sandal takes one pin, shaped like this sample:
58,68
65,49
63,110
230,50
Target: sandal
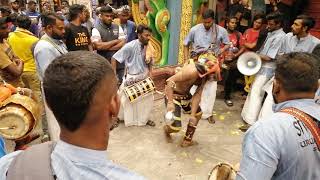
151,123
228,102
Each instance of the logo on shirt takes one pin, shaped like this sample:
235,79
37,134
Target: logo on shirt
81,40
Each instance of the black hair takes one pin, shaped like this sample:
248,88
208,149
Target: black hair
209,13
276,16
70,84
106,9
259,16
297,72
50,18
229,18
142,28
75,10
23,21
5,9
307,21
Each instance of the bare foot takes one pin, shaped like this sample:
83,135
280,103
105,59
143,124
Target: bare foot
186,143
167,134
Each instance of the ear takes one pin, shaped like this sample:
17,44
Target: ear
305,28
115,105
276,87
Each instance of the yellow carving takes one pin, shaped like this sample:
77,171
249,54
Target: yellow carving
154,47
185,25
138,17
163,21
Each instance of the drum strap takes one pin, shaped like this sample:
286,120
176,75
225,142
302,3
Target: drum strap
33,163
307,120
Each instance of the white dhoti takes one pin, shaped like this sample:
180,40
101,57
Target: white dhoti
208,97
136,113
266,109
53,126
252,106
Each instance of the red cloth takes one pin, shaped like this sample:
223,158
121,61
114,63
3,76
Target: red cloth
233,37
250,36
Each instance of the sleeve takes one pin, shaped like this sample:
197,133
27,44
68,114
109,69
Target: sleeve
121,33
224,36
4,60
241,39
86,31
122,54
189,38
260,154
95,35
5,162
271,50
43,58
2,147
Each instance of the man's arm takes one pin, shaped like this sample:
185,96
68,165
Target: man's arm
260,153
97,42
186,54
119,45
15,70
122,37
225,40
182,76
114,64
196,98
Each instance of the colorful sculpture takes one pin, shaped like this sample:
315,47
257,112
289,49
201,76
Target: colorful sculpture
157,18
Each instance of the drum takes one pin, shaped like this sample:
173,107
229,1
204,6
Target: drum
18,116
222,171
139,88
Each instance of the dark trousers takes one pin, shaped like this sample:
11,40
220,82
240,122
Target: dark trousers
230,78
120,73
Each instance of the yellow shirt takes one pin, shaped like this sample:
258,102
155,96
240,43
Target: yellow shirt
21,41
6,56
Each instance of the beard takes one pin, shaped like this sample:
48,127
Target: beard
56,36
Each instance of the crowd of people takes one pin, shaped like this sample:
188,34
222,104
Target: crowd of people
54,53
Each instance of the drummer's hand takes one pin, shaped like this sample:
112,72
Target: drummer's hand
27,92
170,107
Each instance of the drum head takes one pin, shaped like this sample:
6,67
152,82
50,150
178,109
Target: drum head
18,116
15,121
222,171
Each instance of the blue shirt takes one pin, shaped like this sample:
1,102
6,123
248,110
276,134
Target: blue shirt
271,49
275,147
133,55
2,147
34,28
72,162
129,30
291,43
200,38
46,50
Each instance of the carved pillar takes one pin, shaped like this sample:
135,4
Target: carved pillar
185,25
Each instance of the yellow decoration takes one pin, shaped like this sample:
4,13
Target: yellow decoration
185,25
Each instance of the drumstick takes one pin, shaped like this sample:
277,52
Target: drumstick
6,128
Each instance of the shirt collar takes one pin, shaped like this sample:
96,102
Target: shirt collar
309,106
276,31
302,39
80,154
59,42
24,31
